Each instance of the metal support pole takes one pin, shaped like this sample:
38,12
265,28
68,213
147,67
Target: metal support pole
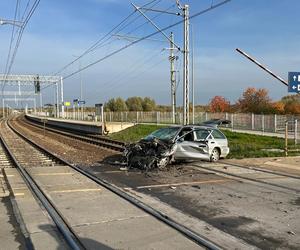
252,121
102,119
186,66
81,97
193,79
275,123
34,103
3,109
57,101
41,102
263,123
62,97
296,132
286,139
173,77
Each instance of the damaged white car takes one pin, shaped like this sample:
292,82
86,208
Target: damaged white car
190,142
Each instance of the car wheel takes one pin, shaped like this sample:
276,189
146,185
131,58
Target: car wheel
162,163
215,155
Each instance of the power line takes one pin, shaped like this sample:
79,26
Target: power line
145,37
32,10
133,68
12,36
96,44
139,74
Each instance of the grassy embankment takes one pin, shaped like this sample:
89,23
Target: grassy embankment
241,145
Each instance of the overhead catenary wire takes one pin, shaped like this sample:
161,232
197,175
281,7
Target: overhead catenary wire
32,10
102,44
12,36
141,39
144,38
96,44
133,71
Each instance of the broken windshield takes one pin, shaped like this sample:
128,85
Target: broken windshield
164,133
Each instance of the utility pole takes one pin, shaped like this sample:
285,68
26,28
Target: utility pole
57,101
193,76
185,14
172,58
186,83
62,97
81,97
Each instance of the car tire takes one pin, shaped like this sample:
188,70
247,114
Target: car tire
215,155
162,163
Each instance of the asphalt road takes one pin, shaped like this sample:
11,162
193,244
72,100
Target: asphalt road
262,212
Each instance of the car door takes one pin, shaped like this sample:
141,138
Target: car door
189,147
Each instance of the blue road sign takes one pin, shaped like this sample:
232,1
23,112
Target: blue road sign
294,82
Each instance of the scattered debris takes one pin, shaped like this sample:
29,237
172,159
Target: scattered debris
172,187
123,168
291,232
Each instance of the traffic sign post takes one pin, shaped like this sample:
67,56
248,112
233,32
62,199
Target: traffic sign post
294,82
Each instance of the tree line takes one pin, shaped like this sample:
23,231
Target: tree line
251,101
135,103
256,101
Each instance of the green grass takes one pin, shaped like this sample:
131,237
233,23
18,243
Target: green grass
241,145
134,133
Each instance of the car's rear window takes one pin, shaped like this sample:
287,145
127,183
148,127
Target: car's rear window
202,134
217,134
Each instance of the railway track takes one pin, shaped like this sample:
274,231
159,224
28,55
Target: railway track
21,154
92,139
105,141
26,154
232,173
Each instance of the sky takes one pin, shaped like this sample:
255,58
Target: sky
60,30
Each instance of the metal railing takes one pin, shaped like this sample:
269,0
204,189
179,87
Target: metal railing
274,124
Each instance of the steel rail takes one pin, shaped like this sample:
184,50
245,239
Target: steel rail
246,178
260,170
192,235
71,238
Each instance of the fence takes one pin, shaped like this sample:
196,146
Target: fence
239,121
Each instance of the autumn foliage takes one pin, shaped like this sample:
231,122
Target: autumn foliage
219,104
255,101
278,107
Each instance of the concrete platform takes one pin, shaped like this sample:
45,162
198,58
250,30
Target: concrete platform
35,221
11,236
88,127
80,126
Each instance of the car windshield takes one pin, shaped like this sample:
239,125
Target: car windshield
164,133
